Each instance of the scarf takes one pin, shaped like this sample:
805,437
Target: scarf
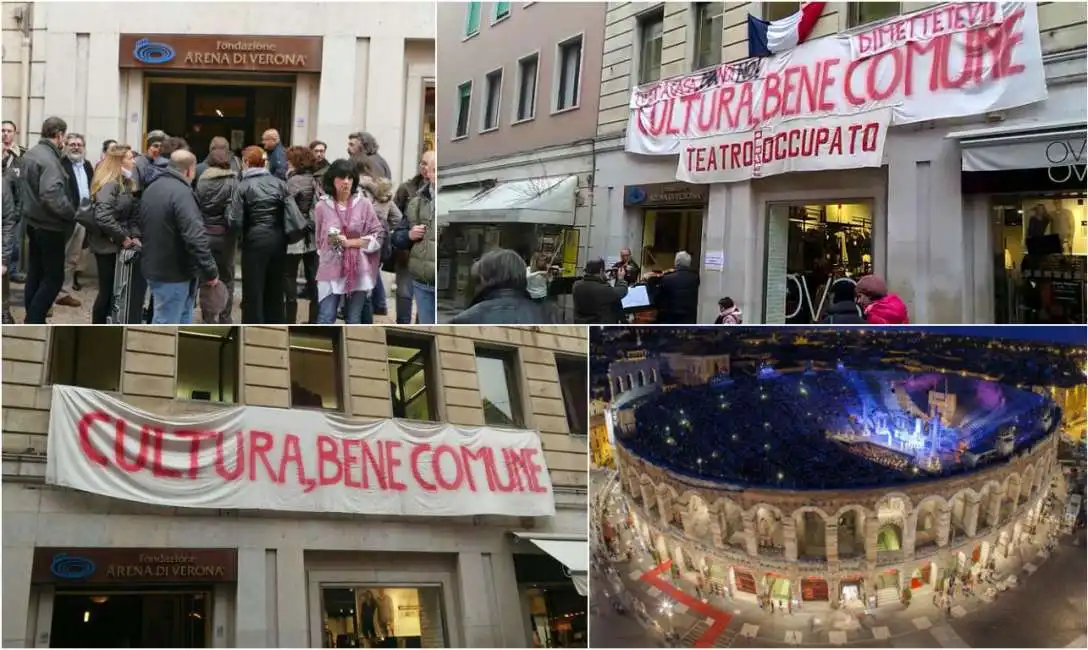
351,226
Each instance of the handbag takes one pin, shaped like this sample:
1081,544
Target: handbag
295,226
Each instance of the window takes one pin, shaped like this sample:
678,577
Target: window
355,614
315,367
464,104
496,372
650,29
502,10
411,377
527,77
493,100
87,356
569,73
861,13
208,363
472,19
778,10
708,34
572,382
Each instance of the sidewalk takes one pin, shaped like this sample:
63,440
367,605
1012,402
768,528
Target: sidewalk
721,622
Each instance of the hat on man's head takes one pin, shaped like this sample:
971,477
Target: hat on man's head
872,286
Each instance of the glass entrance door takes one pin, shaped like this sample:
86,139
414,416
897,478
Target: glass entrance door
131,620
811,247
383,616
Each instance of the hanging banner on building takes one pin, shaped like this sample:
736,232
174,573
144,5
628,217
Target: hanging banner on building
804,145
257,458
950,71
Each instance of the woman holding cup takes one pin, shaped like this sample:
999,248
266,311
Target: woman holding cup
349,242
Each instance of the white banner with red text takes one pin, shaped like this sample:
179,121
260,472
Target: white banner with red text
257,458
948,63
804,145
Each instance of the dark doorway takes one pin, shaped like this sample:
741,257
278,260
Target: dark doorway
131,620
200,112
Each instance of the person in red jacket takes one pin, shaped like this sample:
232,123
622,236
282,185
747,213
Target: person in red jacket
879,306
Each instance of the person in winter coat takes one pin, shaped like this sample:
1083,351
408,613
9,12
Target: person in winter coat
728,313
879,306
175,249
301,184
257,214
277,155
595,301
365,144
349,241
218,143
145,161
214,191
113,189
417,234
399,263
675,293
502,296
380,193
49,216
844,309
11,218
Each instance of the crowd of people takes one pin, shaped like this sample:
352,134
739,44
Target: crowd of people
775,432
168,232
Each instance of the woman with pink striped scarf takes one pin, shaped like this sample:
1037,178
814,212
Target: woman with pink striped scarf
349,241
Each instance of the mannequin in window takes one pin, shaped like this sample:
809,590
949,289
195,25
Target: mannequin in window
1039,222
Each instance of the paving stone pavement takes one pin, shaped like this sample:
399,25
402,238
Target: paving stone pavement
920,625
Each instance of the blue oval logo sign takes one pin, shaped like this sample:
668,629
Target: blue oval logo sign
636,195
71,567
151,52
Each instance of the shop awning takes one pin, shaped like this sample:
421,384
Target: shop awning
454,199
538,200
571,552
1031,145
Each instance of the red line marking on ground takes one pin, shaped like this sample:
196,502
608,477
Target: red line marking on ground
721,619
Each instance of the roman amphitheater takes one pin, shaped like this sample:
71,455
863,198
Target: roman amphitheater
847,545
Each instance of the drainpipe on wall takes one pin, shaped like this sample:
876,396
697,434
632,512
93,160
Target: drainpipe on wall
23,19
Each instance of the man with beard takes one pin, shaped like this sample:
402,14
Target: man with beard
80,173
362,143
49,215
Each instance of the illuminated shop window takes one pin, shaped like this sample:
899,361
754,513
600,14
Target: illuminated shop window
87,356
208,363
383,616
316,369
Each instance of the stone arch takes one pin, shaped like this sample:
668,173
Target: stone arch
900,498
810,531
653,375
926,520
850,520
618,386
769,520
730,517
990,493
957,520
696,515
1027,487
1012,485
641,378
889,536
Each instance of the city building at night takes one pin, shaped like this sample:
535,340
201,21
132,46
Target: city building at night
294,486
836,470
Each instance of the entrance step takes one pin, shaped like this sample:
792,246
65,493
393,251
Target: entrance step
887,596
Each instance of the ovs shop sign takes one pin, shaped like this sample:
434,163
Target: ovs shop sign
1065,159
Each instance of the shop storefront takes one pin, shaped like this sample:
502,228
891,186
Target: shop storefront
301,530
672,216
795,205
132,597
532,217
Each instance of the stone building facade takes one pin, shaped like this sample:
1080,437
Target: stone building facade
741,541
471,568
